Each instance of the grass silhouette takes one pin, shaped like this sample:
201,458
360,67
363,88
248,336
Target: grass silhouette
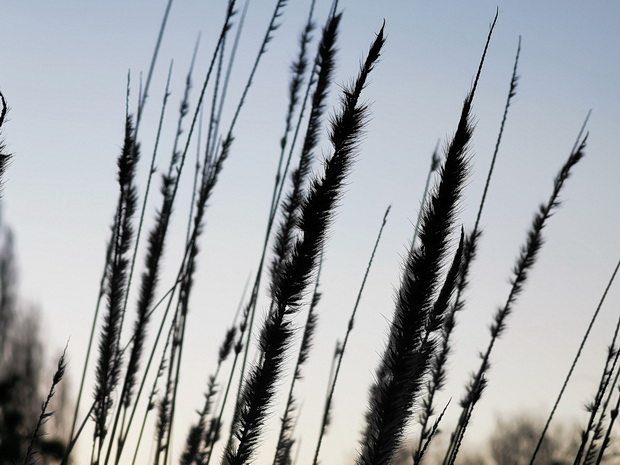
143,343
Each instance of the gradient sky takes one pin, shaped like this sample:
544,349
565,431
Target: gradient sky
63,71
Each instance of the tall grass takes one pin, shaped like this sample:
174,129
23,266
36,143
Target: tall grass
4,156
241,398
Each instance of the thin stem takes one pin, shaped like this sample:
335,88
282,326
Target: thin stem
438,369
332,386
131,368
145,91
104,274
525,262
58,375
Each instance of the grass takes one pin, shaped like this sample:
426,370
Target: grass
142,333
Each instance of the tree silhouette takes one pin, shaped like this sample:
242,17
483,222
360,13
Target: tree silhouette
22,371
514,440
512,443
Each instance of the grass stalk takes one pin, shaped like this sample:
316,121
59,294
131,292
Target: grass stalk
229,138
434,165
614,352
323,68
30,458
171,180
193,445
612,419
583,339
197,431
438,368
419,454
197,171
512,91
147,289
412,341
328,405
282,455
209,179
108,366
141,102
290,207
316,216
72,439
320,78
229,68
249,326
124,436
179,339
145,90
325,62
525,261
4,156
340,348
151,399
216,421
594,407
298,68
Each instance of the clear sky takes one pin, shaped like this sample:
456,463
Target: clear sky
64,69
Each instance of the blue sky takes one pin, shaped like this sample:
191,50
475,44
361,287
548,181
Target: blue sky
64,70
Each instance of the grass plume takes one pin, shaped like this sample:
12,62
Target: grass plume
108,366
315,218
412,339
4,156
435,161
285,438
525,261
45,415
437,377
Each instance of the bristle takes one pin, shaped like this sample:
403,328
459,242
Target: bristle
285,439
286,233
5,157
407,357
315,218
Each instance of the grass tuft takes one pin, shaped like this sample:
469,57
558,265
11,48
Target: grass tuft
315,218
412,339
